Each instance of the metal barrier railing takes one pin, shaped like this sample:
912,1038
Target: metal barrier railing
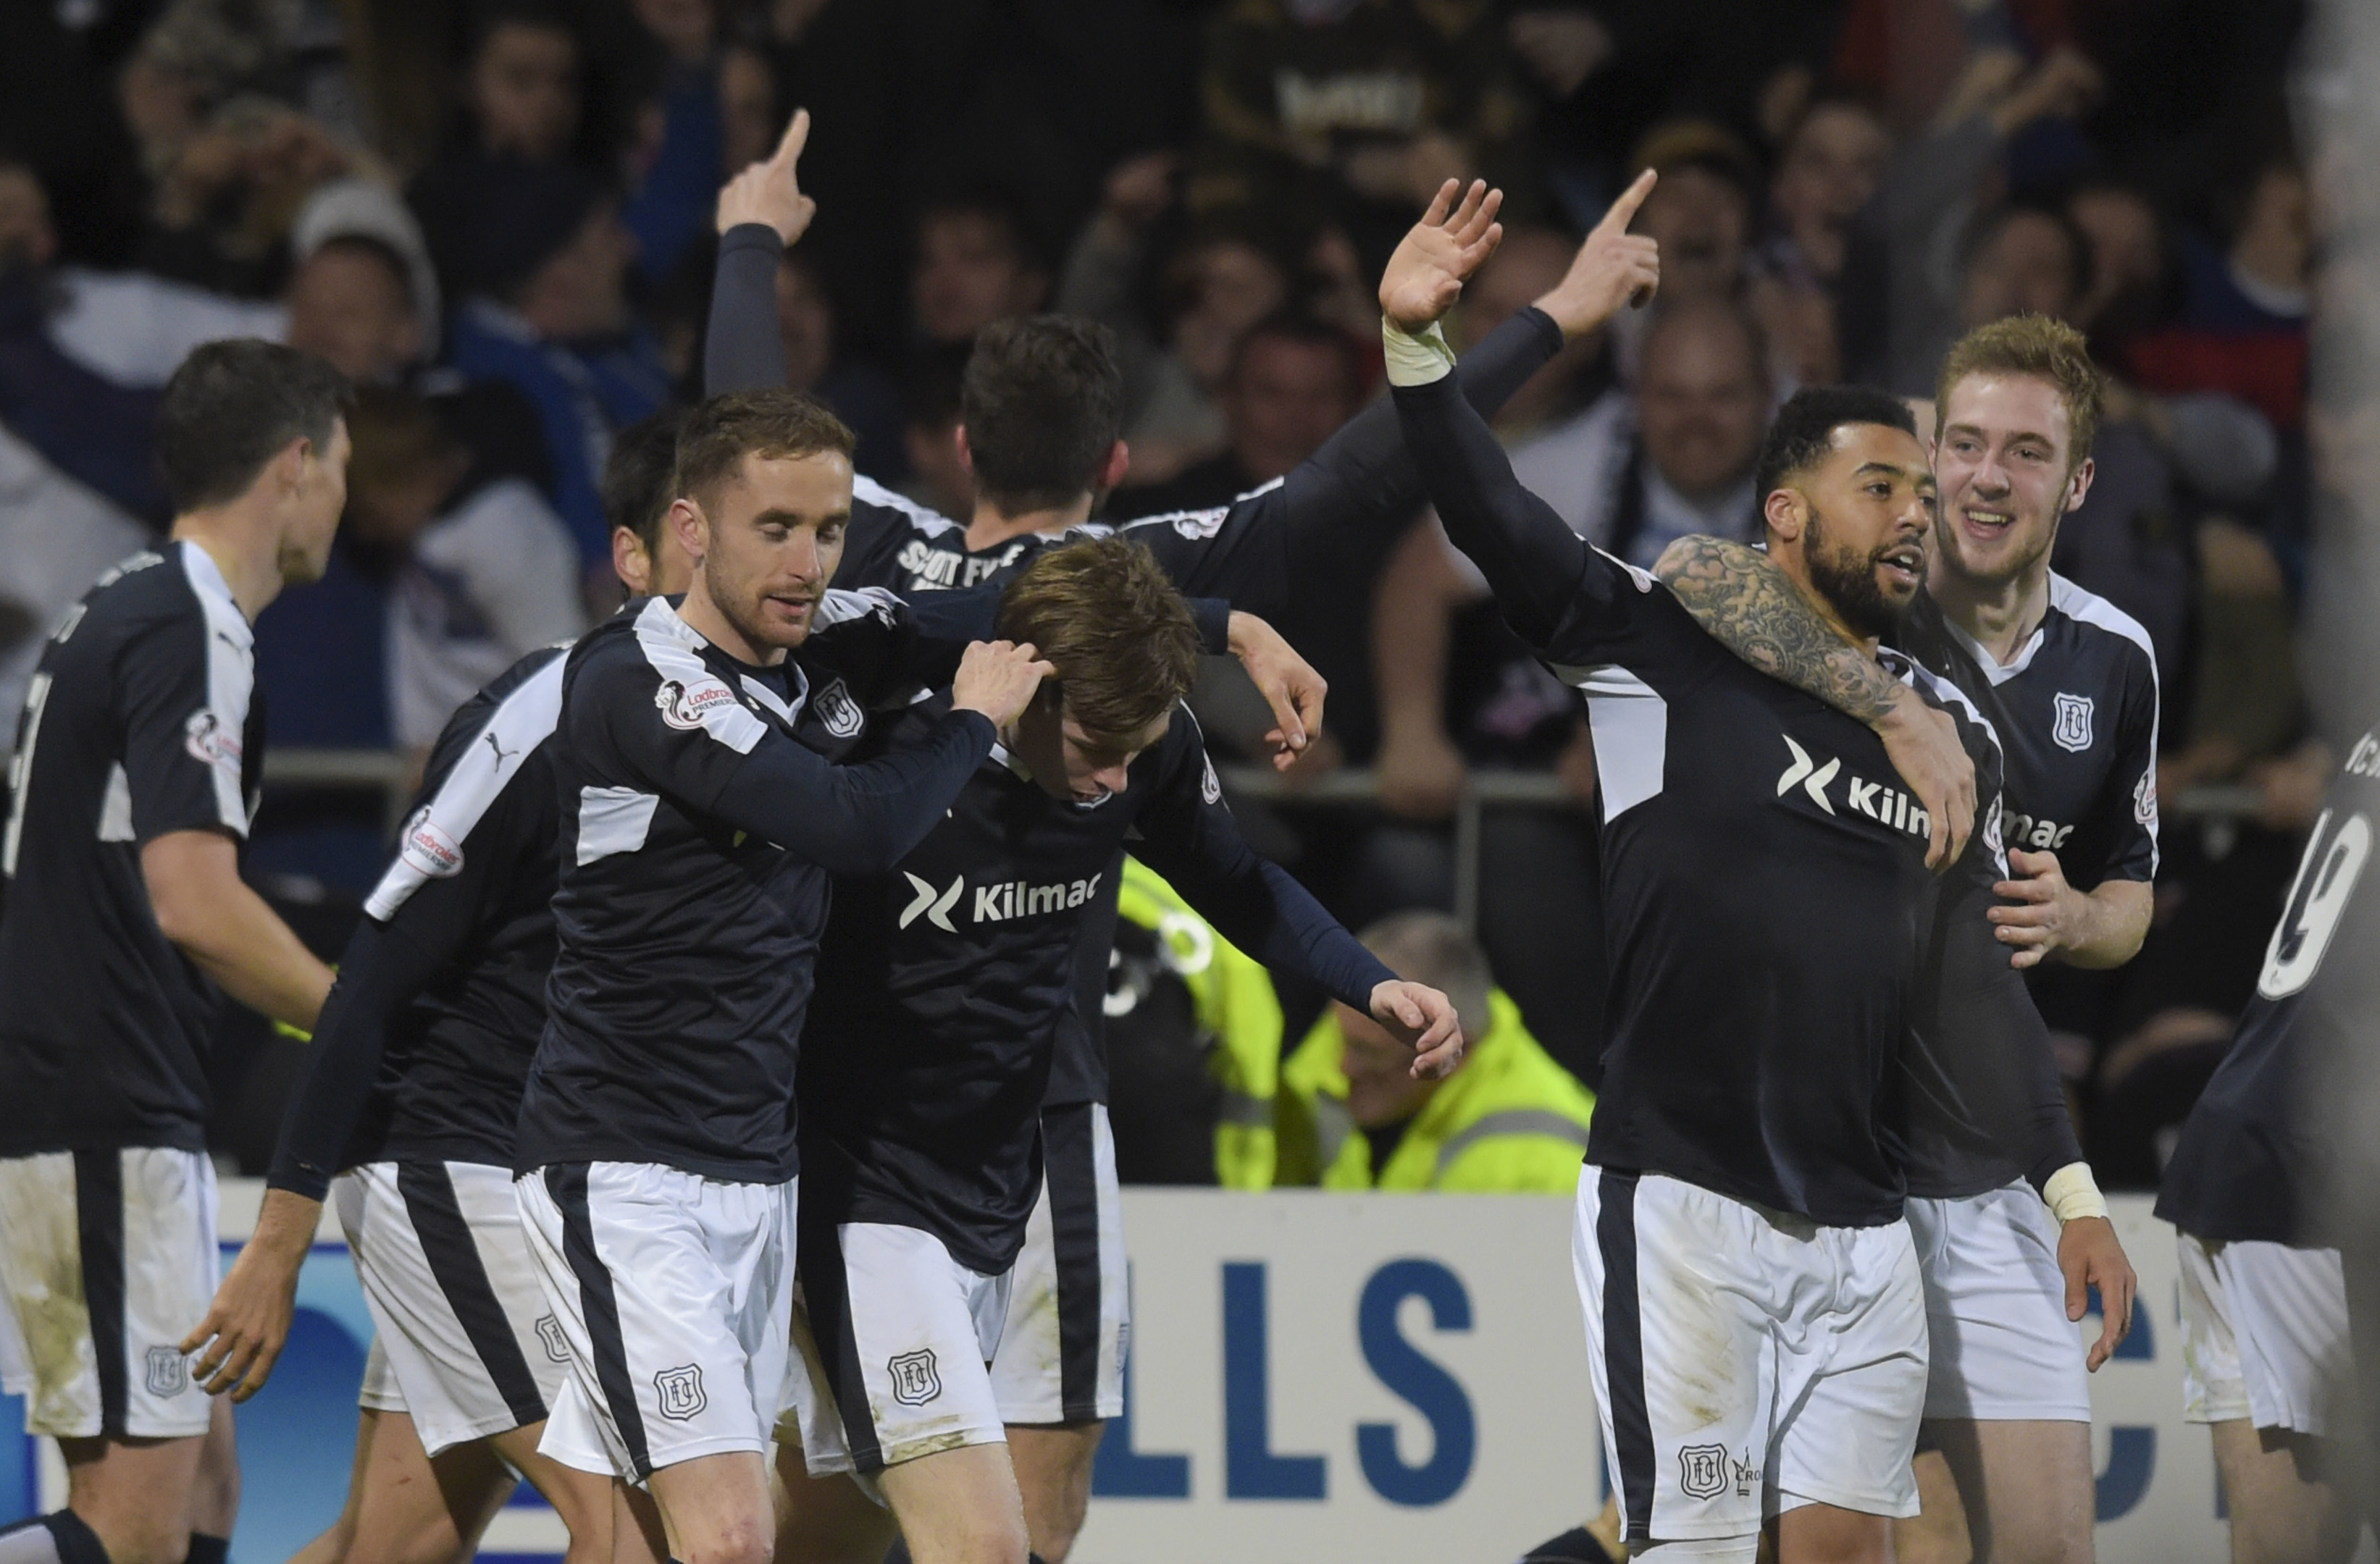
391,774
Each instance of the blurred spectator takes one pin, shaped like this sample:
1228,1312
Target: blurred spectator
678,155
1220,283
480,573
522,101
1292,382
2132,269
56,536
2244,326
1358,109
544,270
1701,212
1828,170
1901,304
1508,1120
861,395
939,477
975,263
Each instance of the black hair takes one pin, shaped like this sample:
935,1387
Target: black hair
1804,433
640,476
1305,328
1043,403
231,407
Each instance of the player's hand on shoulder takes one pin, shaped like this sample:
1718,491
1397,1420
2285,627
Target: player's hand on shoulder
769,192
2091,1255
1922,744
1438,255
1613,268
1423,1020
998,678
2044,912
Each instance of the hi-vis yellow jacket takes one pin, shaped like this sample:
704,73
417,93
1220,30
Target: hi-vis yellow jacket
1235,1003
1509,1120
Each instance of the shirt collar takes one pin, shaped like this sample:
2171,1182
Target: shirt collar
206,577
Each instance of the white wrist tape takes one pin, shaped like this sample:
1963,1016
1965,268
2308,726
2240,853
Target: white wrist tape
2071,1192
1416,360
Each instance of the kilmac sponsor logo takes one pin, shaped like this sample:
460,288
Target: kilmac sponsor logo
684,706
993,903
1886,805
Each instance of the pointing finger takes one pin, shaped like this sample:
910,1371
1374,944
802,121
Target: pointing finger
797,136
1624,211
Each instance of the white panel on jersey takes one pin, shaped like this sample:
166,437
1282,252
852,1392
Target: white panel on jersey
692,697
1630,724
231,681
837,605
2090,609
866,490
431,845
115,808
613,819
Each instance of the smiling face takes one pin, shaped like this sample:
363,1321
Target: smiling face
768,541
1857,522
2005,464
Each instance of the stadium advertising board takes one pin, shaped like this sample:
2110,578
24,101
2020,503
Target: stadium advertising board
1316,1378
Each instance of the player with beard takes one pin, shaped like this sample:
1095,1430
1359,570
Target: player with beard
2068,682
1042,418
139,760
1755,1316
700,818
2252,1188
945,988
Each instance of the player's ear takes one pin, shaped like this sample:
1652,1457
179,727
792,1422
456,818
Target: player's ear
693,528
1119,462
2079,484
631,563
967,451
1784,511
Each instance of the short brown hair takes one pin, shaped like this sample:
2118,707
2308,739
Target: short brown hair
2041,349
769,421
1120,637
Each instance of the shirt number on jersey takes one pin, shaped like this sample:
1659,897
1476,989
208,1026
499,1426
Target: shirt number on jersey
2326,876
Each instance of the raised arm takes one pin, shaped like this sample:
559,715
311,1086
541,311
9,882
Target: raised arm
1743,601
761,211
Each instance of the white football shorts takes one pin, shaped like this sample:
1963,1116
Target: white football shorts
2264,1336
1061,1351
1747,1362
2000,1347
107,1260
672,1291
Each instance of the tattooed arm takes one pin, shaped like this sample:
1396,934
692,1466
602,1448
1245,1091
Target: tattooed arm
1740,597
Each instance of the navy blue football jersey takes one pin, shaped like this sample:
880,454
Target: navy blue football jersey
946,986
701,819
2076,712
2250,1163
142,720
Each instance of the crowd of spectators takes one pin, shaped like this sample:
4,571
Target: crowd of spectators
495,215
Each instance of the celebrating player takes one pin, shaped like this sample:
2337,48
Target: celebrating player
1740,1169
1042,416
2068,682
700,818
137,767
943,986
2268,1358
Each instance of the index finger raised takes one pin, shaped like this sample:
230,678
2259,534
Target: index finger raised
796,137
1624,211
